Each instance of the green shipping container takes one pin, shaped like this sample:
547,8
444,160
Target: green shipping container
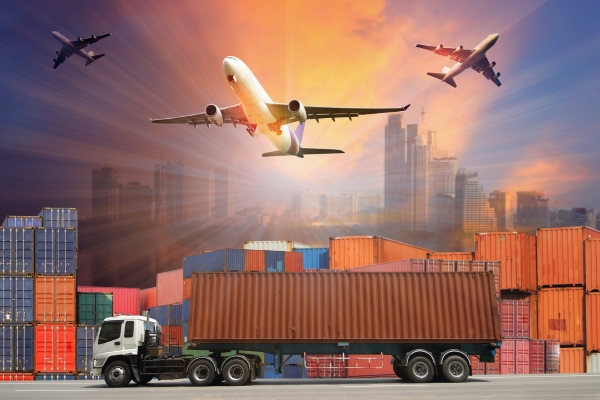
94,307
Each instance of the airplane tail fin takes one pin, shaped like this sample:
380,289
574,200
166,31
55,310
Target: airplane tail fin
91,53
306,151
441,77
300,131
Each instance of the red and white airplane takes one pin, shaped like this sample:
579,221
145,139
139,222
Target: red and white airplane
259,114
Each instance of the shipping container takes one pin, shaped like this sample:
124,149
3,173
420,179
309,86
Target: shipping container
477,367
59,217
16,250
55,299
537,356
185,311
326,366
54,377
88,377
254,260
16,348
458,308
93,308
147,298
22,222
291,359
293,372
169,287
274,261
160,314
274,245
593,363
493,368
126,301
55,251
15,377
370,366
315,258
86,335
531,298
560,258
293,262
572,360
552,356
560,315
592,322
514,319
268,372
517,253
514,357
452,255
54,348
187,287
16,299
175,314
592,265
357,251
219,260
172,335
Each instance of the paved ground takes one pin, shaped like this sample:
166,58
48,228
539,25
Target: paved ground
490,387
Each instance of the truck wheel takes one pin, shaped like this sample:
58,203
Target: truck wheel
400,372
419,370
117,374
145,379
201,373
236,372
455,369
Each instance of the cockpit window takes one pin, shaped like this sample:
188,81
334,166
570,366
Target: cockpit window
231,78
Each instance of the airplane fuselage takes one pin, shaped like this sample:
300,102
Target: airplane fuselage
254,98
69,46
477,55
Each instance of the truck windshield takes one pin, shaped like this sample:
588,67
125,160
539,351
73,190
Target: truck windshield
151,326
110,331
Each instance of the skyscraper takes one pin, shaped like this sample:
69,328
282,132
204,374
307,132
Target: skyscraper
473,211
442,182
533,211
396,170
106,194
197,195
223,194
504,206
169,199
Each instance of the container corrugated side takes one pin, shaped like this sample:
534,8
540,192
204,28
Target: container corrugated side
293,262
53,217
148,298
93,308
572,360
552,363
15,377
126,301
86,335
274,245
16,299
169,287
160,314
54,348
592,265
293,372
16,347
16,250
187,288
55,299
370,366
410,265
592,322
55,251
391,250
175,314
12,221
315,258
462,308
514,357
560,315
560,258
185,311
254,260
212,261
593,363
450,255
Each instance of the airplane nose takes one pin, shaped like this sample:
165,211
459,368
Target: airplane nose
228,65
54,33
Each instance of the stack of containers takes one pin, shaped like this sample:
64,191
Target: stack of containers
55,244
92,309
169,306
592,305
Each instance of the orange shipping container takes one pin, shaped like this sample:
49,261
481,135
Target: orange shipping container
254,260
592,322
187,288
172,335
54,348
15,377
560,315
147,298
169,287
293,262
592,265
453,256
516,252
358,251
55,299
560,258
572,360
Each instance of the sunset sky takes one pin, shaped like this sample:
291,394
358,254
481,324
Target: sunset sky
538,131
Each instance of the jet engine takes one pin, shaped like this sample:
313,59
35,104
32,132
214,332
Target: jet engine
497,75
439,48
94,37
213,113
297,110
80,39
493,64
458,49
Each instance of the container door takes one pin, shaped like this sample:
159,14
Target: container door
537,354
104,307
507,357
6,303
521,357
44,348
23,347
44,251
64,300
6,348
64,339
6,256
23,300
109,339
65,254
85,306
44,299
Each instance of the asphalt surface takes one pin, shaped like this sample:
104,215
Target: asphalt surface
584,386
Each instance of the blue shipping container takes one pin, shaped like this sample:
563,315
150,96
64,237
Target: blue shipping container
316,258
268,372
186,310
85,347
16,348
59,217
22,222
16,250
175,314
274,260
54,377
160,314
292,360
16,299
88,377
185,331
269,358
294,372
219,260
55,251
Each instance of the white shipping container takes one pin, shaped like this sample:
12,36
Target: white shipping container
593,363
274,245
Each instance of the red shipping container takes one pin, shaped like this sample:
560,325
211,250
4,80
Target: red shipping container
514,319
172,335
560,315
514,357
254,260
326,366
15,377
55,299
454,256
54,348
169,287
537,356
370,366
493,368
126,301
560,257
147,298
572,360
293,262
552,362
592,265
477,367
592,322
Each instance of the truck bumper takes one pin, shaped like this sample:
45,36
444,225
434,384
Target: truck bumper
96,371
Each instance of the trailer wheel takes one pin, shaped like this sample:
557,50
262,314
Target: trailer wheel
455,369
236,372
400,372
117,374
201,373
419,370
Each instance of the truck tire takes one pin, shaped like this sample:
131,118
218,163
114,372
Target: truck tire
400,372
455,369
236,372
201,373
144,379
419,370
117,374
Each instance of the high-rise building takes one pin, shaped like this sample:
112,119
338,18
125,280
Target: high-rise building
306,206
396,171
504,206
169,196
340,208
442,181
581,216
106,194
372,202
444,213
533,211
197,191
223,203
137,202
473,211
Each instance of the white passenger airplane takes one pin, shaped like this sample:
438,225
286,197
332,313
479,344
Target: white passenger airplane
466,59
70,47
257,110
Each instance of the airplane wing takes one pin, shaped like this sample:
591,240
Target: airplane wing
231,115
456,54
62,56
281,112
85,42
487,70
